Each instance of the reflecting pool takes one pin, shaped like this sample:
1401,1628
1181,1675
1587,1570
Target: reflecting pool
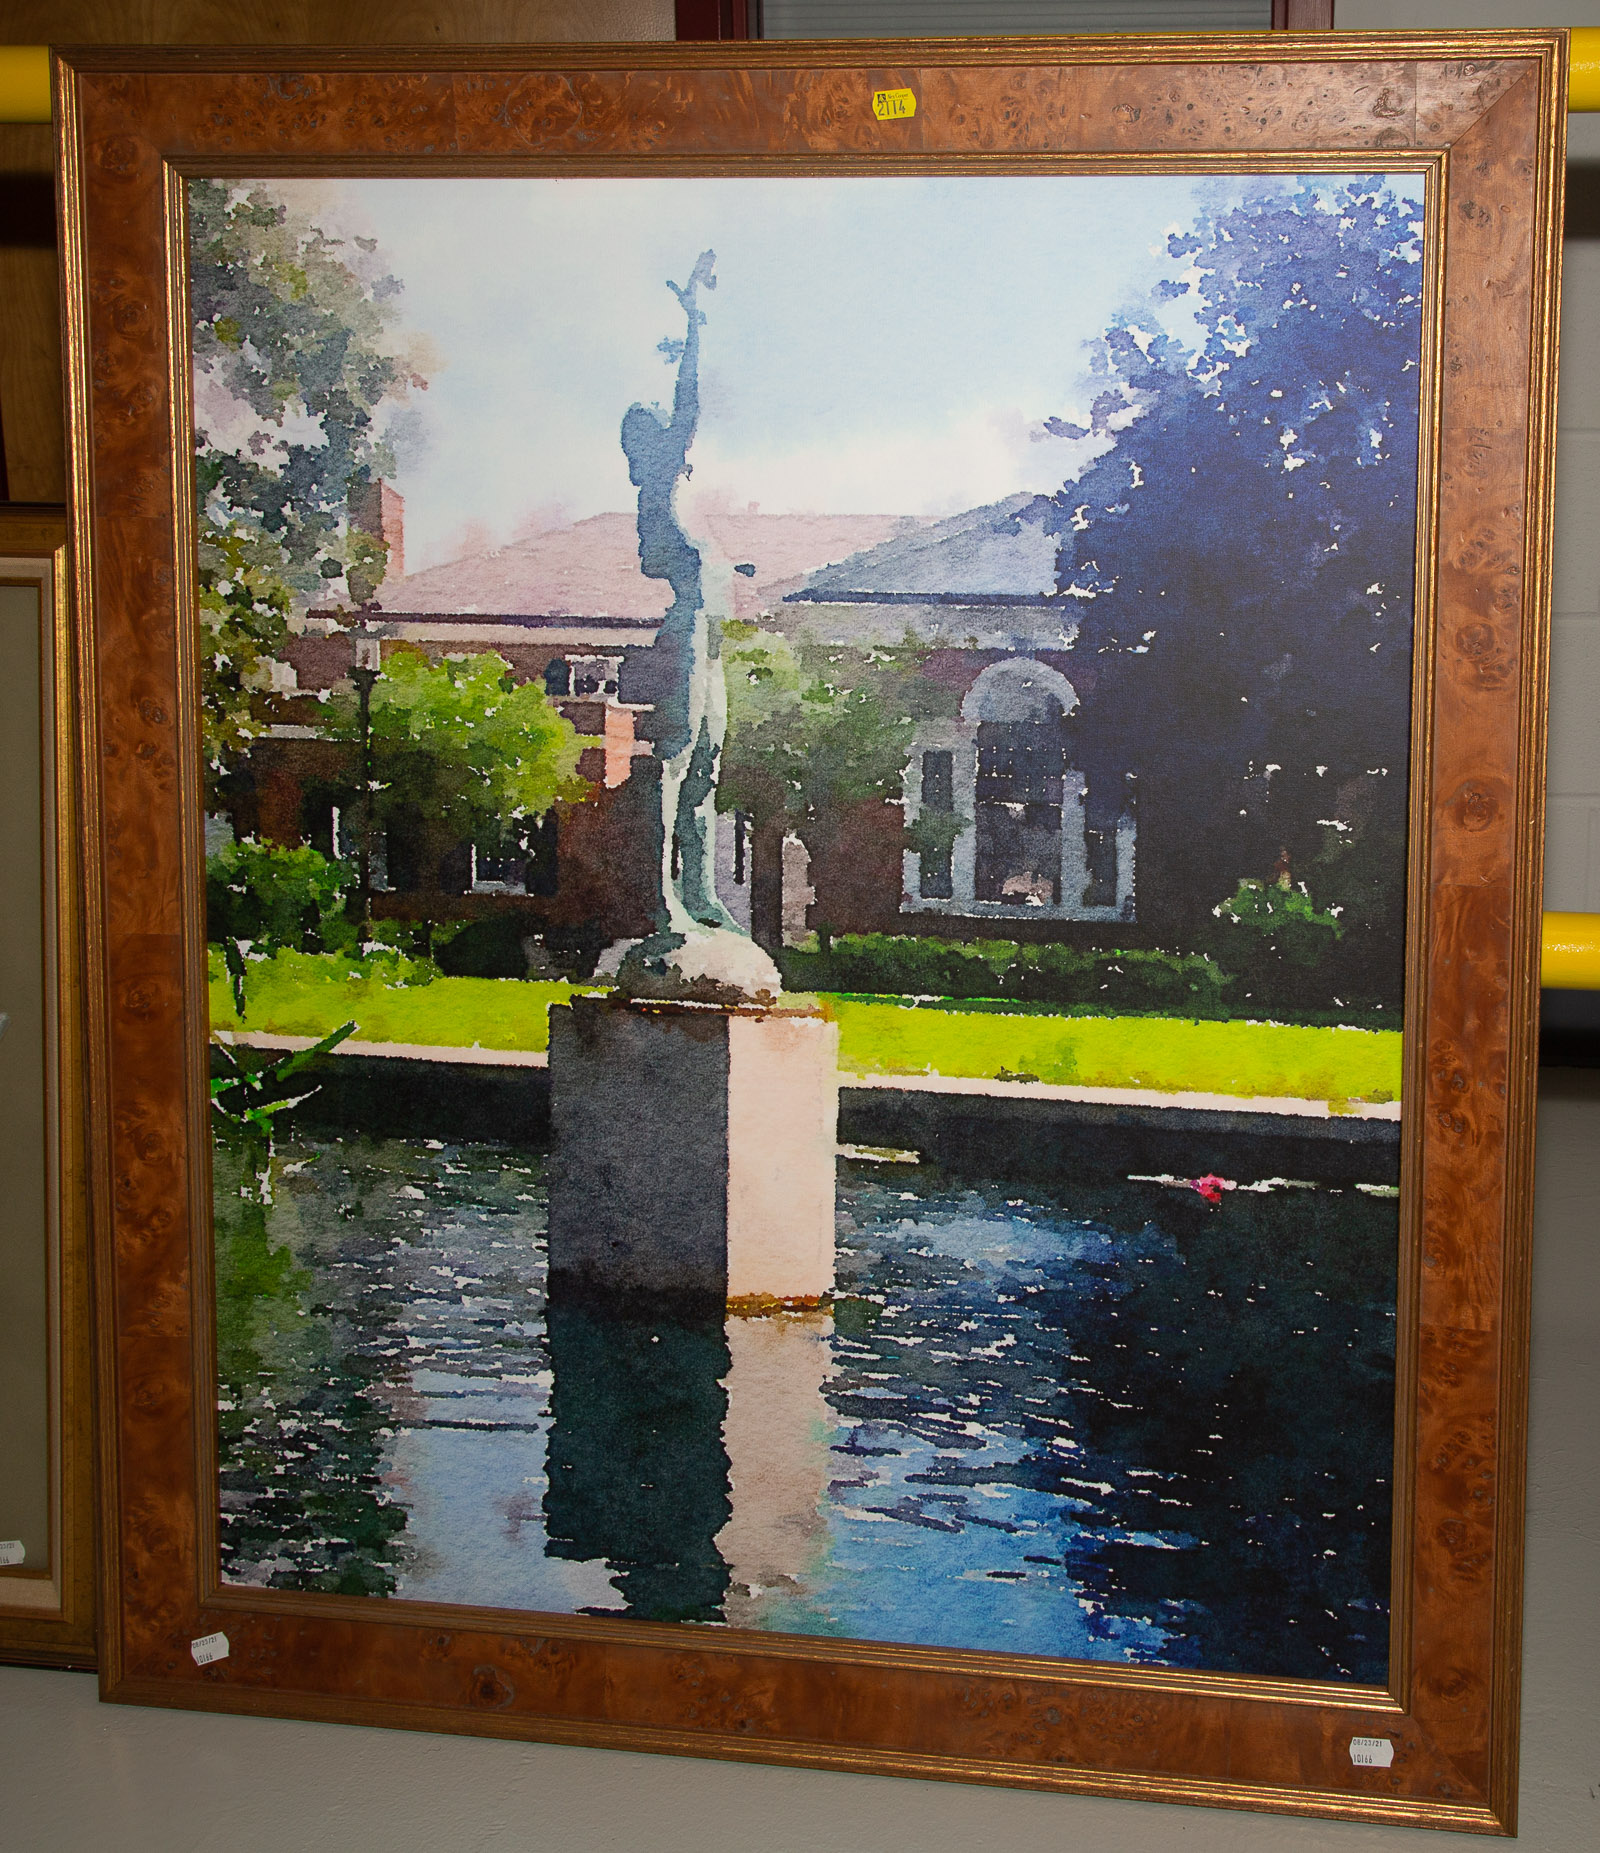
1114,1421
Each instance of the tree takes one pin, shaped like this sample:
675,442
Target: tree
262,898
762,753
460,749
1270,627
1272,933
812,731
293,357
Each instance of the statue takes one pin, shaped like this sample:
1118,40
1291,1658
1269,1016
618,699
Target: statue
693,1151
697,952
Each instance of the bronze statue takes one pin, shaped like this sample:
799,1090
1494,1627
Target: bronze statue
697,951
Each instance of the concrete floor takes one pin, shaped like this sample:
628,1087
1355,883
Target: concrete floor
77,1775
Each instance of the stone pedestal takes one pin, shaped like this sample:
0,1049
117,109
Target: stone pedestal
694,1152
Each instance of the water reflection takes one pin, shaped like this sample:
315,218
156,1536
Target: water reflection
778,1432
1178,1417
637,1472
1116,1423
301,1435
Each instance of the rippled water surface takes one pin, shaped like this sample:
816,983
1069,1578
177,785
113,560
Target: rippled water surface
1115,1422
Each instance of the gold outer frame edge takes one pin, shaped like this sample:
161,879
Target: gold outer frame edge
1526,922
1078,1779
80,1528
96,1001
191,813
1277,48
1419,855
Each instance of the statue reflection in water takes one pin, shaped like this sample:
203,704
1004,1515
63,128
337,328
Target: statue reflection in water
638,1475
690,1454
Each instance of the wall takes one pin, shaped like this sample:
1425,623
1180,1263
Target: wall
1572,838
30,350
78,1775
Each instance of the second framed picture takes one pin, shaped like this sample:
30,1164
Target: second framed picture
47,1481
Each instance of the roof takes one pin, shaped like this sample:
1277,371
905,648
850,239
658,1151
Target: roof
590,569
1001,554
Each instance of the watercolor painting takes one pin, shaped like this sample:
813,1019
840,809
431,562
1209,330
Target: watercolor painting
806,791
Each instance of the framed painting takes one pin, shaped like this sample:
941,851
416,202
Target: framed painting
47,1576
813,796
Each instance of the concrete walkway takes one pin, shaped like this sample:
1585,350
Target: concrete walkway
975,1085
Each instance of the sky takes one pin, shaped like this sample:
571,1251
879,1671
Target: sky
875,344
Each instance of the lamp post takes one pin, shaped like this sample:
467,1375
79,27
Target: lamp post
368,666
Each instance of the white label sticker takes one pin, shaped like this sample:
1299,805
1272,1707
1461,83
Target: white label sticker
211,1647
1371,1752
13,1550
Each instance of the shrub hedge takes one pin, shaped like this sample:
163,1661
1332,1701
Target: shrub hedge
906,966
271,899
490,948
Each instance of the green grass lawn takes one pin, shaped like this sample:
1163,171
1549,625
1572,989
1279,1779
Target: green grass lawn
300,995
1167,1054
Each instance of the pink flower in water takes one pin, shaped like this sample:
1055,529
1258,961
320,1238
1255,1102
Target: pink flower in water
1211,1186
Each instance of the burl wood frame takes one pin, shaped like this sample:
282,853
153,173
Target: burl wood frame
1483,116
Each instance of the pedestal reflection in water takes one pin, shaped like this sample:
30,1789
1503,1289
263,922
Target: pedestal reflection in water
1108,1421
780,1433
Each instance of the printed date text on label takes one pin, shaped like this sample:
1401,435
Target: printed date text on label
209,1647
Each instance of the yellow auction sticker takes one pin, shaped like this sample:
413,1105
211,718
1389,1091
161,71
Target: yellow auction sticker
890,105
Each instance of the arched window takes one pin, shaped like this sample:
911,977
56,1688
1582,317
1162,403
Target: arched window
1019,706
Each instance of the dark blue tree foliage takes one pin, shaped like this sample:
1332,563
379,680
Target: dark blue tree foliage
1244,555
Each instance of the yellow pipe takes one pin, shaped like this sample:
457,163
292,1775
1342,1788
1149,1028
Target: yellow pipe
25,78
1571,960
1583,82
24,83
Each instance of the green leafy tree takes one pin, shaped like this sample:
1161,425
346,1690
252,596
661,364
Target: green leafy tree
293,355
1276,621
763,759
1275,940
812,731
764,680
459,750
272,896
262,898
1284,913
1360,875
